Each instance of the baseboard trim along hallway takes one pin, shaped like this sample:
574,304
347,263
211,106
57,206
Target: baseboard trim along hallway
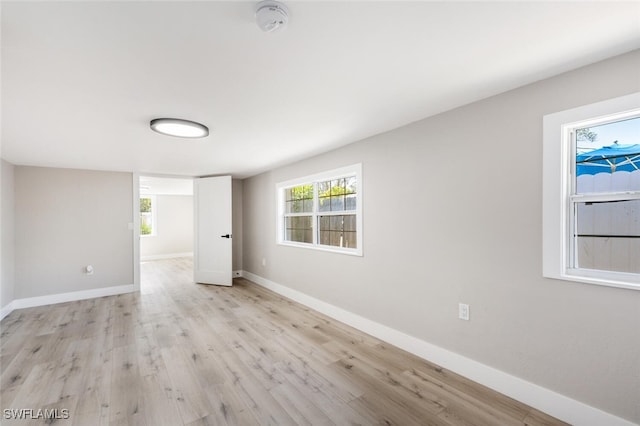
543,399
51,299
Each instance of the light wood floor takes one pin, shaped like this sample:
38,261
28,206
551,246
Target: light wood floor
180,353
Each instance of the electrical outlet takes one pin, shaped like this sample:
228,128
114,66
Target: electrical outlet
463,311
264,262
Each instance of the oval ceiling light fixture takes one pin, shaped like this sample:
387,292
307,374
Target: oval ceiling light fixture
271,16
179,128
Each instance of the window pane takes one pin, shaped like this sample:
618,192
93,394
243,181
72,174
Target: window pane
608,157
350,185
325,238
299,236
145,205
289,206
350,202
336,238
308,236
299,206
146,224
608,236
350,240
337,203
308,206
350,223
336,223
323,188
324,222
146,216
331,195
298,229
337,187
324,204
324,196
338,231
298,222
301,192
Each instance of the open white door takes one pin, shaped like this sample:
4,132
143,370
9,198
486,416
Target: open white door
212,239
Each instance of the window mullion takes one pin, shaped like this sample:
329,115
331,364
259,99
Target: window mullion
605,196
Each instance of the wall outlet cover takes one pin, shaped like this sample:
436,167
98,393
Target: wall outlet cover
463,311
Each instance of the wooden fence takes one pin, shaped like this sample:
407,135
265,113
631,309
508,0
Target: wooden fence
609,233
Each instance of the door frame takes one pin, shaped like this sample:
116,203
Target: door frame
135,182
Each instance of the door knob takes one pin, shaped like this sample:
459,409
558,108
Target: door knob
225,236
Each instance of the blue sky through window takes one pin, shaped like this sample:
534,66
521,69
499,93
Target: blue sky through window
626,132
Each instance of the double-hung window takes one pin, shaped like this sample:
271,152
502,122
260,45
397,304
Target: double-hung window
323,211
591,210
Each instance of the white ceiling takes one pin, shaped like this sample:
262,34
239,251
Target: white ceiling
82,80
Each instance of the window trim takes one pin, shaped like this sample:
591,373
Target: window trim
355,169
154,216
557,190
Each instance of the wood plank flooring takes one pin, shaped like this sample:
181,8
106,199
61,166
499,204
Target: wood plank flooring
179,353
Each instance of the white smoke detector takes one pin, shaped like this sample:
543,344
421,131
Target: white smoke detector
271,16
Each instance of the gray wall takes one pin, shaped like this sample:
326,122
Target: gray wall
174,222
236,218
8,235
67,219
452,213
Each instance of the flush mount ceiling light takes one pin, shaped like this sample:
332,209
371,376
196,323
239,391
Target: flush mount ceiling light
179,128
271,16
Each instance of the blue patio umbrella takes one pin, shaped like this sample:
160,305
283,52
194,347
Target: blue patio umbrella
609,159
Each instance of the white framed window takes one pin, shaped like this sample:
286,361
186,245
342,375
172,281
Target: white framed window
591,193
322,211
148,221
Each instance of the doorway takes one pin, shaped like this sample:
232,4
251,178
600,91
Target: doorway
166,223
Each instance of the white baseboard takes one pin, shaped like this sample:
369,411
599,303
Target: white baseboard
51,299
6,310
543,399
165,256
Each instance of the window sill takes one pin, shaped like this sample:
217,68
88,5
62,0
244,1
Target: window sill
602,278
350,252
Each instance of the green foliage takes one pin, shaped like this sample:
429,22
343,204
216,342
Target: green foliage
299,199
586,135
145,229
145,205
302,192
334,190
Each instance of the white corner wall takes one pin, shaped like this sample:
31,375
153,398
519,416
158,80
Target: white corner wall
452,213
65,220
174,228
7,286
236,217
